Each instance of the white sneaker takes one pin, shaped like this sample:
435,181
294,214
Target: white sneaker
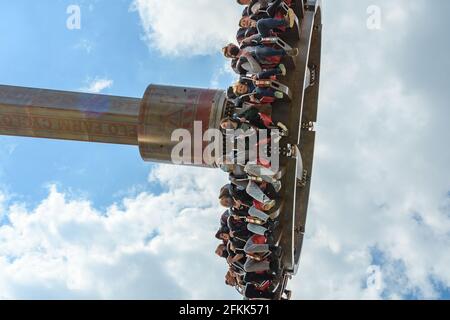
279,95
277,186
283,69
269,205
282,126
291,16
293,52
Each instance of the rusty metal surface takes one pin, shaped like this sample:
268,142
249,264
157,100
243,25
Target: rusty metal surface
165,109
52,114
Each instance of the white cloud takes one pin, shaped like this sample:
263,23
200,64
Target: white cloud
85,45
97,85
180,27
380,188
148,247
223,75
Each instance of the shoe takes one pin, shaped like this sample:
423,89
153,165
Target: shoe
293,52
277,186
275,266
277,251
291,18
279,95
283,133
282,126
272,225
288,294
256,179
282,68
269,205
269,237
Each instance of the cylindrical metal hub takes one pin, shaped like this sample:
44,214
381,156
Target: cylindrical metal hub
165,109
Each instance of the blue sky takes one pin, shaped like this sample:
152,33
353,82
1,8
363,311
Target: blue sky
43,53
94,221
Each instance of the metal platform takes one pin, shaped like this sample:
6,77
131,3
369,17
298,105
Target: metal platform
300,119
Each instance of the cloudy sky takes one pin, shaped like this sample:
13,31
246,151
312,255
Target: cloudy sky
93,221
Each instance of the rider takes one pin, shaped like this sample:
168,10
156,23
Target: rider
252,58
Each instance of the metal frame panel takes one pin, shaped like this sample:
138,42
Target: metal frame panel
302,109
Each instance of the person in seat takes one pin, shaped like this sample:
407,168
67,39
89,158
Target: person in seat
255,292
246,91
223,234
271,263
260,246
267,8
261,120
267,27
252,59
221,251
